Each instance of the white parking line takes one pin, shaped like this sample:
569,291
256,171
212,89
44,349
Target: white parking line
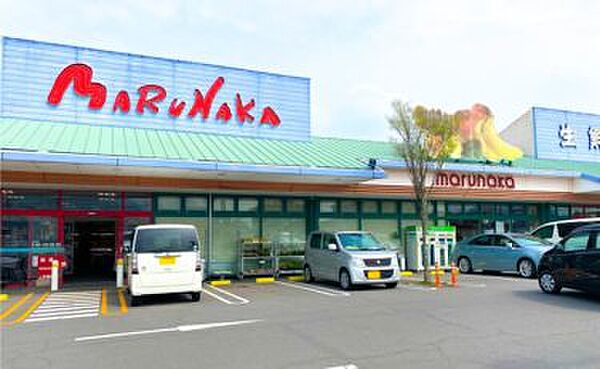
181,328
242,300
215,296
348,366
319,290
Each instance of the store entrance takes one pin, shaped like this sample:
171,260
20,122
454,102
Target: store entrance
90,248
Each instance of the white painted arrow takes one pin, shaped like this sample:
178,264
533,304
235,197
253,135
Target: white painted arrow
181,328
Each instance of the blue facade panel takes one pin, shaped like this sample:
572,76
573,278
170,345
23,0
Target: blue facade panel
29,69
566,135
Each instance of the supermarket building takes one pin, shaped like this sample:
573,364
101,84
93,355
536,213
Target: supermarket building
94,143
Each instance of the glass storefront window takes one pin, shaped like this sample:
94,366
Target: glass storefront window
487,209
441,209
91,200
29,199
229,233
169,203
471,208
248,204
273,205
15,231
138,202
520,226
44,232
337,224
385,230
532,211
349,206
503,209
288,236
295,206
517,209
409,208
454,208
328,206
196,203
562,211
577,212
224,204
369,207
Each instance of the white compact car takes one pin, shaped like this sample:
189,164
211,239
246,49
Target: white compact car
164,259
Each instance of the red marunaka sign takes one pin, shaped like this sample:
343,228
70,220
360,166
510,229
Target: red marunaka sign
471,180
151,95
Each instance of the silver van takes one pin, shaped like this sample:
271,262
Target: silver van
350,258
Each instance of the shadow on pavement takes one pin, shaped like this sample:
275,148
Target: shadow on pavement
166,299
569,299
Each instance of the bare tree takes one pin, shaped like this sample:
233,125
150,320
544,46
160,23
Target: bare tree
425,139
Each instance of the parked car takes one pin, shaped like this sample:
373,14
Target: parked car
557,230
573,263
350,258
164,259
501,252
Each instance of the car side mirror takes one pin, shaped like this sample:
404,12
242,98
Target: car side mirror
332,247
127,247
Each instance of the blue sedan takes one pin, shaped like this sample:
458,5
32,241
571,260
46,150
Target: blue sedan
501,252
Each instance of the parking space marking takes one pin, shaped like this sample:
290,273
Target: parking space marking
181,329
417,288
241,300
15,306
67,305
319,290
347,366
215,296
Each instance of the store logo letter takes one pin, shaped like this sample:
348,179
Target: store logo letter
81,76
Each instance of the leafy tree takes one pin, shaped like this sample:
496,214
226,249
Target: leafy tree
425,139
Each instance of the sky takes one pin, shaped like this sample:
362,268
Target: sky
359,55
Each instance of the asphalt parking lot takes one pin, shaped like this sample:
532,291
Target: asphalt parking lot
489,321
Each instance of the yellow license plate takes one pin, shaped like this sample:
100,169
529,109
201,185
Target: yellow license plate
374,274
166,260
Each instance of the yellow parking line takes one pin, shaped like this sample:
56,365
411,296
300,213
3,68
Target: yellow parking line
14,307
122,302
31,309
103,303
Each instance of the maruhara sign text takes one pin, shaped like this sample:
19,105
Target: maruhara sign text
472,180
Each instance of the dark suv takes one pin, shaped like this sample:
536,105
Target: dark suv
573,263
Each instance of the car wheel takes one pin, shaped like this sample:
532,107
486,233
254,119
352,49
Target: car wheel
464,265
345,281
135,300
526,268
391,285
308,277
549,283
195,296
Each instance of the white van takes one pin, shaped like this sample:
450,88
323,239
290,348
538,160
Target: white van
163,259
557,230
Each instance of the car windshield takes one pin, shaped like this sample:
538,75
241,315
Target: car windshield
360,242
525,240
166,240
